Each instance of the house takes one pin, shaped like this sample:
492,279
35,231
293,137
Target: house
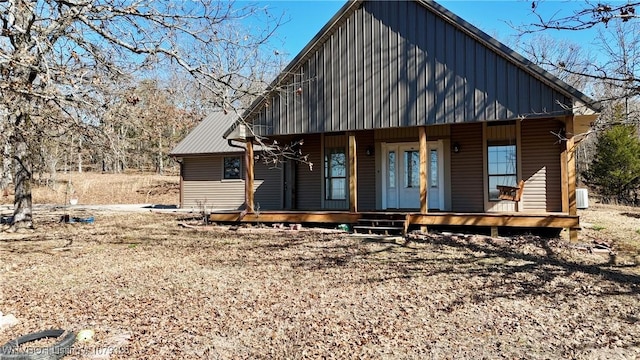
212,175
405,107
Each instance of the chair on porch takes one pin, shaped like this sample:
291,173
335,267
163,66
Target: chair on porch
511,193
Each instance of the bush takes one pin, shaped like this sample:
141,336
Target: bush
615,170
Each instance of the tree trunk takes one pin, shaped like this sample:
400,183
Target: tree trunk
160,159
79,155
23,211
5,177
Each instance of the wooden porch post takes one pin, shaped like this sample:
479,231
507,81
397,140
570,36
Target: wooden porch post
181,162
568,170
565,181
424,204
353,173
424,208
249,176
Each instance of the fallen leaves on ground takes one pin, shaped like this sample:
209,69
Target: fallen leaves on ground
151,289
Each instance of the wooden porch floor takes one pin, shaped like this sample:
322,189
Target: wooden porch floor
494,220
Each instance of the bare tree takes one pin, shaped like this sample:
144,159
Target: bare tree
591,15
612,73
60,55
565,59
144,123
616,66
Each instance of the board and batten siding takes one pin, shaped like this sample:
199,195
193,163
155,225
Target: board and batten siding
203,185
392,64
541,152
467,189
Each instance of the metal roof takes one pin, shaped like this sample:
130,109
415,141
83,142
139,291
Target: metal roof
206,138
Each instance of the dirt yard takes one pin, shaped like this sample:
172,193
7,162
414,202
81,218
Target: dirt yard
151,289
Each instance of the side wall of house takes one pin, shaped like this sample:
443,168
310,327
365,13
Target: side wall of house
541,152
268,187
308,186
203,185
467,189
365,141
539,164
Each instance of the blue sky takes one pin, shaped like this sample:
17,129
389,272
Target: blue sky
306,18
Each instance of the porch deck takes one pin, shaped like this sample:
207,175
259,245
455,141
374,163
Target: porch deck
493,220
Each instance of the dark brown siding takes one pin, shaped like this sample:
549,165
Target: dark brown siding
269,188
309,182
466,169
541,165
366,171
435,132
394,64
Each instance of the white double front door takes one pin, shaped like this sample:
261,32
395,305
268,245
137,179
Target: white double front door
401,175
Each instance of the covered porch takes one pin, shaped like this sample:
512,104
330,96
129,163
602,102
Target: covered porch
409,219
421,214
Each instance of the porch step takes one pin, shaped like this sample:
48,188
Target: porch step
380,223
377,229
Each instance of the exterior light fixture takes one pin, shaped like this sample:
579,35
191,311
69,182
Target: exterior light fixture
369,151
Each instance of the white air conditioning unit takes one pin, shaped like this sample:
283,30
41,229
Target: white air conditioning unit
582,198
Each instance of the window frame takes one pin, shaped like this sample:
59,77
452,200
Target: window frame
225,173
490,174
330,176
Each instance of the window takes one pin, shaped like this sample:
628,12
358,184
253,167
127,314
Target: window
392,169
502,168
335,174
232,167
433,175
411,169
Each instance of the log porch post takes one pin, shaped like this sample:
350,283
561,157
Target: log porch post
249,176
353,173
424,208
568,172
424,205
181,163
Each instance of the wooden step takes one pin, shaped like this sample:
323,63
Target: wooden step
372,229
391,221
